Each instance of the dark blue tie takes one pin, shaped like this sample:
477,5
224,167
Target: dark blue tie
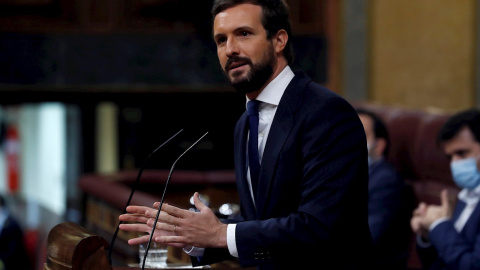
253,157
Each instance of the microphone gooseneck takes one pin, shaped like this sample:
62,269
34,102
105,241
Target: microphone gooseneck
133,190
163,197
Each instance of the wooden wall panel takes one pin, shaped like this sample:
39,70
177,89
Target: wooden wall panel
423,53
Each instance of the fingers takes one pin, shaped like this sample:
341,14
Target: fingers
420,210
133,218
143,229
415,224
139,240
135,209
137,227
165,221
444,197
174,211
198,203
136,214
175,241
141,219
161,226
422,206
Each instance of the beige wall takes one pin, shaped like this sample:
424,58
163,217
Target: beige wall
422,53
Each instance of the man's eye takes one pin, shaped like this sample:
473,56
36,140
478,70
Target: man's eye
245,33
221,40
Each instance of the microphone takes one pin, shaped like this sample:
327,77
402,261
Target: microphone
163,197
133,190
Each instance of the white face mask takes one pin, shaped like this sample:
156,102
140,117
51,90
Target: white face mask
465,173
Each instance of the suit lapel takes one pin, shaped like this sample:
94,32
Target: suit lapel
281,127
471,226
458,210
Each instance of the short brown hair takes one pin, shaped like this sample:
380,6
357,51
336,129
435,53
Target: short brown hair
275,17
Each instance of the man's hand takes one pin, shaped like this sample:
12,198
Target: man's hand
138,223
425,215
435,212
417,218
199,229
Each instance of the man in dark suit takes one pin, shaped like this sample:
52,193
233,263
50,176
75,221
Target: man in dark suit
448,237
303,183
390,202
13,255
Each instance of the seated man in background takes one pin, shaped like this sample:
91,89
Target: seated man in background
13,254
390,202
448,237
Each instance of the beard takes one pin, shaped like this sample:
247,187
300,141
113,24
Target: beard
256,77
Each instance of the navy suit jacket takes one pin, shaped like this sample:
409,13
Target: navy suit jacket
313,186
453,250
390,206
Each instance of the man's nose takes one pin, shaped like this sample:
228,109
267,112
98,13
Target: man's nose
232,47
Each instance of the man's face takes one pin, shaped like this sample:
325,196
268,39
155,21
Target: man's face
246,55
367,122
462,146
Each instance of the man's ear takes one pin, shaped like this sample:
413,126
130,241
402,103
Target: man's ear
380,146
280,40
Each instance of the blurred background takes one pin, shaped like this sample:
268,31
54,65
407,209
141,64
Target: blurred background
90,88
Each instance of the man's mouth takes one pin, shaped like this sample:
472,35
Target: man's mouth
235,65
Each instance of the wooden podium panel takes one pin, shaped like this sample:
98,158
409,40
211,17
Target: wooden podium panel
70,246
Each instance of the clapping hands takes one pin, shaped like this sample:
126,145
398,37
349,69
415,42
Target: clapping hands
425,215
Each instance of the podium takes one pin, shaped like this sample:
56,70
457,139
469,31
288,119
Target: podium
72,247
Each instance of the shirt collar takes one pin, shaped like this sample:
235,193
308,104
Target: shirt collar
272,93
469,196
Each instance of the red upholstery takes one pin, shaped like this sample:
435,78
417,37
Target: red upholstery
429,159
413,148
402,127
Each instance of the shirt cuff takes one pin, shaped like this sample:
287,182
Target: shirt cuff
194,251
231,242
421,243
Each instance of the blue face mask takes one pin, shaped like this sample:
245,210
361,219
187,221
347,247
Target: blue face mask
465,173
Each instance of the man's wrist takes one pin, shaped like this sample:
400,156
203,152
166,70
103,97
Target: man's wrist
222,239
